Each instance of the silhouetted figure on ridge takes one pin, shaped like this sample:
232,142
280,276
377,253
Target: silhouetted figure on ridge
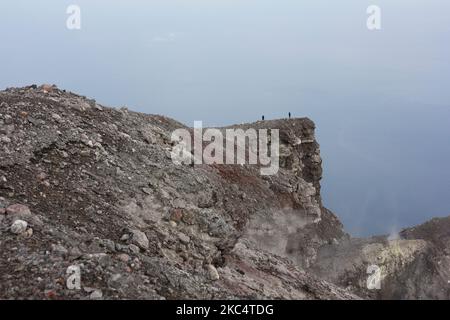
263,118
289,115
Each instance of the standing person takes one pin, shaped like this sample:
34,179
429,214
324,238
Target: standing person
289,115
263,118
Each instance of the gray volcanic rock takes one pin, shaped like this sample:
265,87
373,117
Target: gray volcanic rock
99,189
100,193
415,265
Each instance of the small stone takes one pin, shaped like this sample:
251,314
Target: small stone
96,294
46,88
177,215
172,223
59,249
213,273
188,217
35,122
5,139
125,237
56,117
18,209
123,257
28,233
116,277
179,203
81,106
147,191
75,253
89,289
85,140
41,176
98,107
139,238
109,244
133,248
184,238
19,226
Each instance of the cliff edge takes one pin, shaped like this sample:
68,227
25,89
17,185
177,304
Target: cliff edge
90,188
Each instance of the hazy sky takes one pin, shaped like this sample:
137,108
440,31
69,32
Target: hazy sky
380,99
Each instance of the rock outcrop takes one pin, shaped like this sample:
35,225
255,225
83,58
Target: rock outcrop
91,188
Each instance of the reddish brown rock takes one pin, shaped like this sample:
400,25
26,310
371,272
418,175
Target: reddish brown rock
177,215
18,209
